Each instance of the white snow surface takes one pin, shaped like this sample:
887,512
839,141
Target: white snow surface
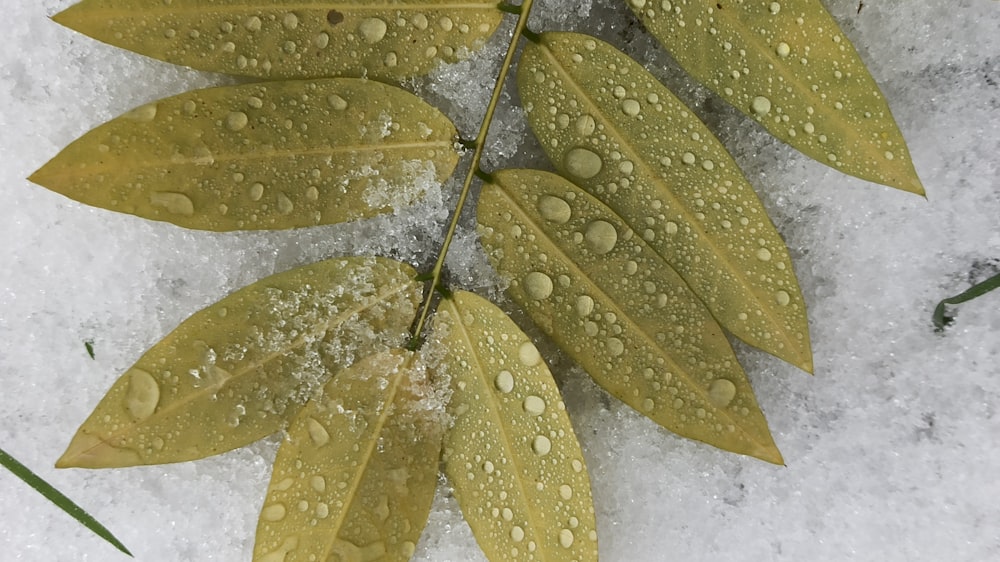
892,448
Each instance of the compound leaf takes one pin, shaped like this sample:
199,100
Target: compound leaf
355,478
599,291
512,456
274,155
788,66
239,369
608,125
291,38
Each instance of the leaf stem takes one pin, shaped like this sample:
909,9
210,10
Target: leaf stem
474,171
60,500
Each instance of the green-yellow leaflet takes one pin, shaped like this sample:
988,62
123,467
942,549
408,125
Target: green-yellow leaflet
291,38
355,478
511,455
608,125
239,369
787,65
272,155
597,289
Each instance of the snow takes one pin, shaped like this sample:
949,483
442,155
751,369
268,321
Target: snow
891,448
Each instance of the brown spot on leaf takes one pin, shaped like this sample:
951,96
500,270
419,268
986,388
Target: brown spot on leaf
334,17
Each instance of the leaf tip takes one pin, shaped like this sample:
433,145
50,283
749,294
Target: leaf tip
769,453
89,451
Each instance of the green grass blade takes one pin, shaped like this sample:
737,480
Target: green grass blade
977,290
61,501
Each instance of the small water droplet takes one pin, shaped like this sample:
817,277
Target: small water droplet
372,30
504,382
721,392
554,209
322,510
601,236
317,432
541,445
534,405
583,163
538,285
143,394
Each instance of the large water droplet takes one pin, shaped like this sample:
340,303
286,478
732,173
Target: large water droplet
176,203
541,445
585,125
554,209
584,305
566,538
528,354
143,394
764,254
504,382
317,432
372,30
601,236
721,392
566,492
538,285
534,405
236,120
583,163
273,512
782,298
761,106
143,114
517,534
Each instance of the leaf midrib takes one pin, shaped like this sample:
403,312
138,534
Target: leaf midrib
689,219
265,7
501,425
571,264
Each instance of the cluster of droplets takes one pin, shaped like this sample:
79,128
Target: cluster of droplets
274,42
789,66
512,457
628,141
599,291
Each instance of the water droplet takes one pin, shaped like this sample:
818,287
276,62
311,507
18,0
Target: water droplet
583,163
256,191
721,392
312,193
290,21
688,158
584,305
317,432
318,483
176,203
372,30
273,512
538,285
517,534
761,106
446,23
774,7
708,165
585,125
615,347
601,236
577,465
336,102
782,298
504,382
419,21
285,205
507,514
630,107
143,394
236,120
322,510
566,538
488,467
809,128
541,445
566,492
143,114
528,354
554,209
783,49
889,155
647,405
764,254
533,405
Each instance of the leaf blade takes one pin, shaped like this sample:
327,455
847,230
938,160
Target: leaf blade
291,38
619,311
511,433
366,446
237,370
644,154
789,67
274,155
49,492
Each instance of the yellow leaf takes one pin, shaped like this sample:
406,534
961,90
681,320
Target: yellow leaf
291,38
608,125
788,66
595,287
355,478
512,456
239,369
274,155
